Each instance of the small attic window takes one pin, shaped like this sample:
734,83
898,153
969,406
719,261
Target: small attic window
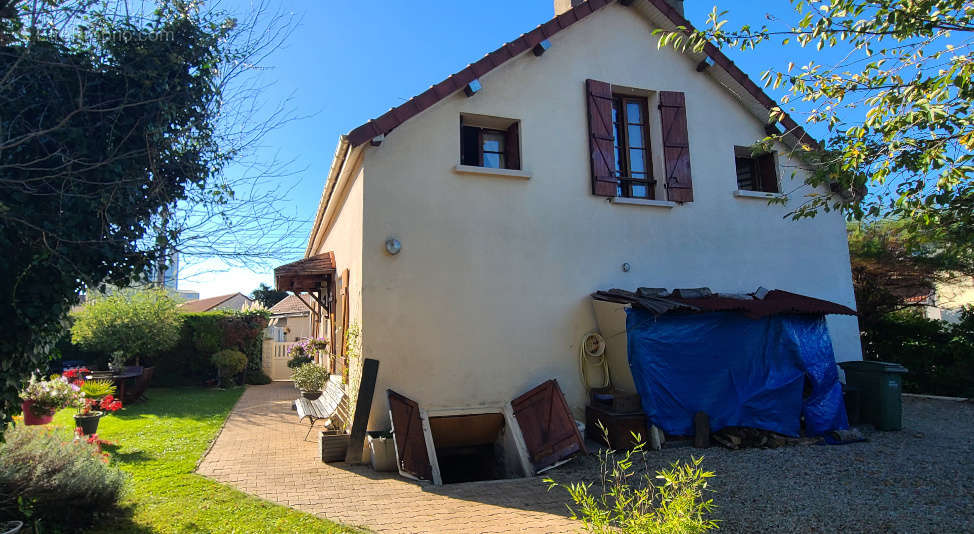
756,172
490,142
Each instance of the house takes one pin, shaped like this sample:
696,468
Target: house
233,301
292,317
949,297
464,230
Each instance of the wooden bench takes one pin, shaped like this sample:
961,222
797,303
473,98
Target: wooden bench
332,407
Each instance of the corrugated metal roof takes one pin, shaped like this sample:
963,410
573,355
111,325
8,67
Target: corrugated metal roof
776,302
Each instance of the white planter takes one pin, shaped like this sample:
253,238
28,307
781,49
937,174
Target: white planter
10,527
382,454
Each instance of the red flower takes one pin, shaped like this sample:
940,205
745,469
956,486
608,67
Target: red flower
108,403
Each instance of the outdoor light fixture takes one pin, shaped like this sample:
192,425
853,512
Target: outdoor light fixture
393,246
626,267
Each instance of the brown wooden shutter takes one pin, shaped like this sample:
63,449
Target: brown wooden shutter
767,174
512,148
676,146
407,427
547,425
601,138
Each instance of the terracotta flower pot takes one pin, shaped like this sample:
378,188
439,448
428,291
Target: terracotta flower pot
88,423
31,419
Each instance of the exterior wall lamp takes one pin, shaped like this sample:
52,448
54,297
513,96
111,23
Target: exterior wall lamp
393,246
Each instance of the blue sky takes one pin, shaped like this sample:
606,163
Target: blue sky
347,62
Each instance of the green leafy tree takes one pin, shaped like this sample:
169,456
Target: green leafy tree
267,295
117,123
137,324
896,103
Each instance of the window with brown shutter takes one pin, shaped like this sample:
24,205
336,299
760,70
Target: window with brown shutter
490,142
634,166
601,139
676,146
756,172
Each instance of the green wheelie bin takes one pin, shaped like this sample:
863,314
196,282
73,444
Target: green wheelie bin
881,386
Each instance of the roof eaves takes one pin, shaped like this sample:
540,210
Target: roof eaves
390,120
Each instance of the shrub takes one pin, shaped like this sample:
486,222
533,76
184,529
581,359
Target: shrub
138,324
632,499
61,485
310,377
299,360
938,355
257,378
230,362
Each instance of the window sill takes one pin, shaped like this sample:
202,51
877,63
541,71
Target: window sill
642,202
743,193
487,171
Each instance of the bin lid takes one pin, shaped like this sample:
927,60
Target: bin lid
873,367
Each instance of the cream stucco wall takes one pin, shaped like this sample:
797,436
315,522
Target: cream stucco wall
343,234
490,294
236,303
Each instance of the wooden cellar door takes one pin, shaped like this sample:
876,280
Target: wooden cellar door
547,425
407,427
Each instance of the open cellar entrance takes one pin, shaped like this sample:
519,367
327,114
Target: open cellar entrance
475,447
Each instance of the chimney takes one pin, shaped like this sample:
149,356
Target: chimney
562,6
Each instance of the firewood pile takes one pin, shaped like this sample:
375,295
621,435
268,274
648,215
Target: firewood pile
735,437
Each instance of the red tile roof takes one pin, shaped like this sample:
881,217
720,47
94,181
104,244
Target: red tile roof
455,82
291,304
207,304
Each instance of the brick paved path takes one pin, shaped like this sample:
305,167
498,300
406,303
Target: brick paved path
261,451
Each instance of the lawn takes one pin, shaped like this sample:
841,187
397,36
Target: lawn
159,443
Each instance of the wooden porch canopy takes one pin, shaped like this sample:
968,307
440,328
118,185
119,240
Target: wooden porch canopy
305,275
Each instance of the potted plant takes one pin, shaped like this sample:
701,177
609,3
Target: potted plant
10,527
94,394
310,379
382,450
41,398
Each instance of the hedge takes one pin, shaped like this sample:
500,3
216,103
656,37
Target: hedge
206,333
938,355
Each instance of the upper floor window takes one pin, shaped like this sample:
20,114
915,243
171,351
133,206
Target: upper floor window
756,172
489,142
630,124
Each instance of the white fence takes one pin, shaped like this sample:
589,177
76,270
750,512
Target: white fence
274,359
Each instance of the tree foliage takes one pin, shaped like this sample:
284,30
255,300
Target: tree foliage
138,324
896,104
267,295
896,264
117,126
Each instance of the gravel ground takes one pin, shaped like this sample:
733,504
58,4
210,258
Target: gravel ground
920,479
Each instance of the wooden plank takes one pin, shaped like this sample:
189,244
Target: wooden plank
547,425
363,407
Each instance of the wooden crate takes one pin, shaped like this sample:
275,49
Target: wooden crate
620,425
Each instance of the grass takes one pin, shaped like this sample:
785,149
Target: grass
159,443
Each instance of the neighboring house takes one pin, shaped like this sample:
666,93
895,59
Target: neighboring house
233,301
948,298
465,230
292,318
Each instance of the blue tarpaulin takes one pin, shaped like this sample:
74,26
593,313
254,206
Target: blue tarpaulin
759,373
